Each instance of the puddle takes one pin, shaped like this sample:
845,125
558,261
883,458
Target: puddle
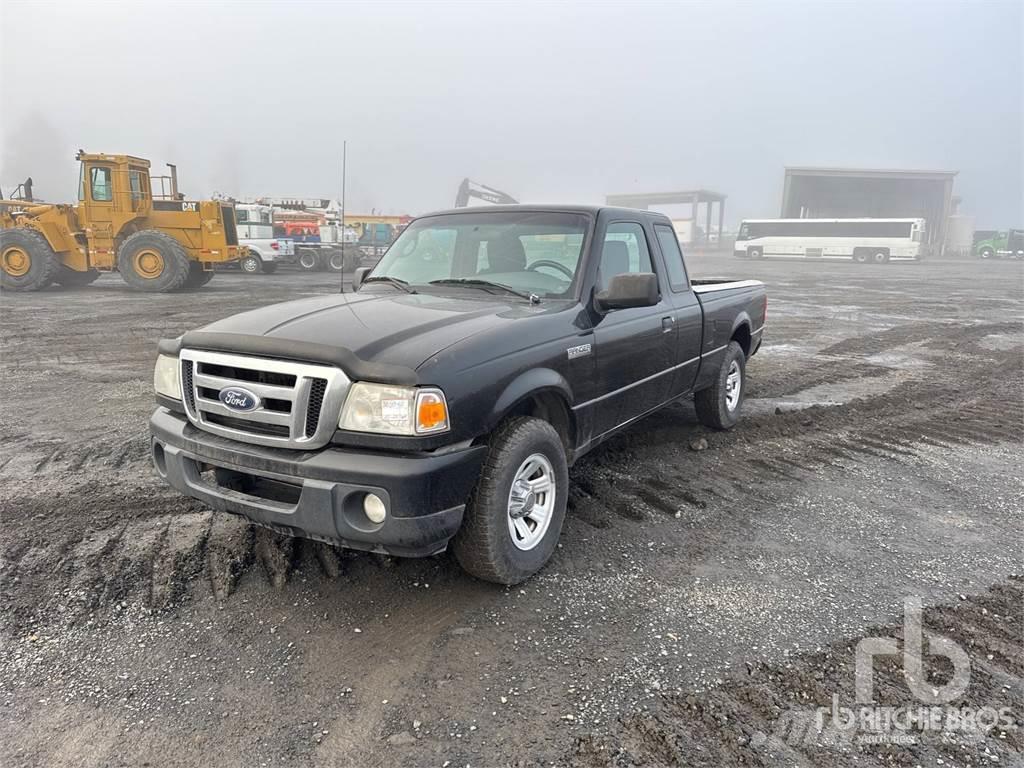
1001,342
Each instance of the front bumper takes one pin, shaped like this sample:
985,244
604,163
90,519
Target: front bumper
319,494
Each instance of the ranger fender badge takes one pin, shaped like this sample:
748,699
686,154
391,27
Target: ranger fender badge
580,351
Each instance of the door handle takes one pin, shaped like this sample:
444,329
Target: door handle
667,324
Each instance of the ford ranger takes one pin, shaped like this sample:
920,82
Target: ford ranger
443,401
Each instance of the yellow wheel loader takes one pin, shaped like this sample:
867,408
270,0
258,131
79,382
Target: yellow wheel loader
158,242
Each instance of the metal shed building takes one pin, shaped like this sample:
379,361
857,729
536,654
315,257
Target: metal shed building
826,193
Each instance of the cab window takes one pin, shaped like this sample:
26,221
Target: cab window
99,181
673,257
624,251
136,181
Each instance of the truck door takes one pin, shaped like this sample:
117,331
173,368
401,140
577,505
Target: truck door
636,347
97,195
689,318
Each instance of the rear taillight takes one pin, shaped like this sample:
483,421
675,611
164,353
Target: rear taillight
273,245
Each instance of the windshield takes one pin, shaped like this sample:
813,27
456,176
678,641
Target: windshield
530,251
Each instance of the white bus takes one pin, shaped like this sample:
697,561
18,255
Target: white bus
863,240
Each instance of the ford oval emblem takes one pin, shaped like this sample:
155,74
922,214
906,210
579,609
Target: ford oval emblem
238,399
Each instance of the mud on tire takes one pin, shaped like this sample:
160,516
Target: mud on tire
713,404
27,262
154,262
484,545
197,277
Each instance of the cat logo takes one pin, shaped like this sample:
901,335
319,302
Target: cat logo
189,207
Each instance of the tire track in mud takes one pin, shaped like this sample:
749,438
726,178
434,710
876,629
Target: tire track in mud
169,549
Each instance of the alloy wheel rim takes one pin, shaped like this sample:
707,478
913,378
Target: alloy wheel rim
733,386
16,261
531,502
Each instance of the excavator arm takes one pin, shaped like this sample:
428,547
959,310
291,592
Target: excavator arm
471,189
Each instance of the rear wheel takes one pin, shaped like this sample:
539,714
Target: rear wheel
154,262
197,277
514,517
719,405
880,257
251,264
309,260
27,262
862,257
72,278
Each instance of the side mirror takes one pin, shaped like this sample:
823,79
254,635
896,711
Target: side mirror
358,276
629,290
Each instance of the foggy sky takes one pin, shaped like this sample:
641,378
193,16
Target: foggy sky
550,102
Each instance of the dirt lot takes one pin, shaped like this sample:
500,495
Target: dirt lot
697,596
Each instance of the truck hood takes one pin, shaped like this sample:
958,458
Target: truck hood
394,328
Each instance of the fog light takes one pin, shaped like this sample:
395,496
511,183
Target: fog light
374,508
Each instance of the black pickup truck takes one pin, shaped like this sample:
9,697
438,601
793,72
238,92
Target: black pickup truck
444,400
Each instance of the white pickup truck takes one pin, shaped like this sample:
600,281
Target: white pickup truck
262,251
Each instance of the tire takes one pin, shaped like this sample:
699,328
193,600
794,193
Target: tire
197,277
880,257
754,253
27,262
153,262
72,278
309,261
986,253
251,264
336,261
862,257
269,267
716,406
486,544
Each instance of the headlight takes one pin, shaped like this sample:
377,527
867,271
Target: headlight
165,377
390,410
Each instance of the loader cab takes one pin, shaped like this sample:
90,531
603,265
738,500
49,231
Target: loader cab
112,190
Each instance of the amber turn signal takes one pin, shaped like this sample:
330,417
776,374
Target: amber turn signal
431,412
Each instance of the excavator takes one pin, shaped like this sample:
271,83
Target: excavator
157,242
471,189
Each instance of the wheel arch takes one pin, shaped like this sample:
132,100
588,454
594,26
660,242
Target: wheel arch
741,333
542,393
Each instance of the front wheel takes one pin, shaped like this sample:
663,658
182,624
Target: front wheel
754,253
514,517
719,405
986,253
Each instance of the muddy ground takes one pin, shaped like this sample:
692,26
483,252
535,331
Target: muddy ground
697,596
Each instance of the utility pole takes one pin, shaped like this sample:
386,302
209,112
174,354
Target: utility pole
344,157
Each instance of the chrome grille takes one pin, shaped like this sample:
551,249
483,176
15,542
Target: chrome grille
299,403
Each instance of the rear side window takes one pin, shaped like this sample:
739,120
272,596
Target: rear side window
624,251
673,257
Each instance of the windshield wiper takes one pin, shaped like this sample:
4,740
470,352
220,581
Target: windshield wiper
395,281
533,298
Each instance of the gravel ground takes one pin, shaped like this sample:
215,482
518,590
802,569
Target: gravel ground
697,595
